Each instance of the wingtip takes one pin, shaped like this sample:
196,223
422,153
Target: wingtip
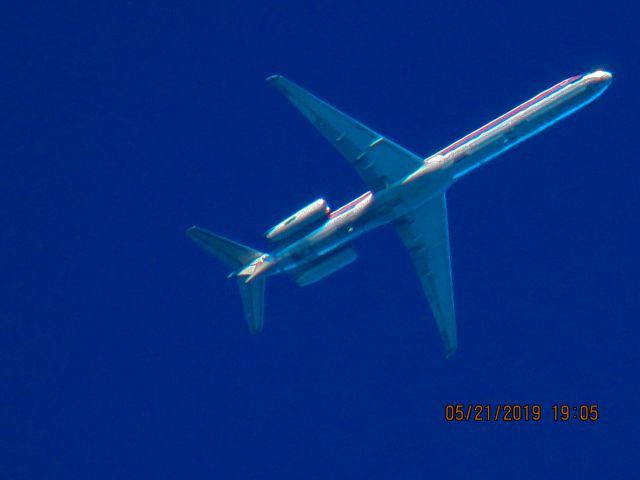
274,78
255,331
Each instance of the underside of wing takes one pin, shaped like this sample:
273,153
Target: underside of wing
425,232
379,161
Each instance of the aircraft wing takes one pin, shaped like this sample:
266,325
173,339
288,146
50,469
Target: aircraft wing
425,232
379,161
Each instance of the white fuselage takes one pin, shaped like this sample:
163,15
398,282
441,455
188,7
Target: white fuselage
441,170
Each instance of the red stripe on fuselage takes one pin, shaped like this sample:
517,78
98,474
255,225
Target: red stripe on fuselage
349,205
509,114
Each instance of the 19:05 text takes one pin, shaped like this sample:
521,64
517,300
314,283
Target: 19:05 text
513,412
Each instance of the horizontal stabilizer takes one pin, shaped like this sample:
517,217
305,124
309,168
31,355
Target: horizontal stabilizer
236,256
253,301
232,254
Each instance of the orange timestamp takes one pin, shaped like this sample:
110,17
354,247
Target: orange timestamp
516,412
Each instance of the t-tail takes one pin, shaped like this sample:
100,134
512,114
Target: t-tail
247,265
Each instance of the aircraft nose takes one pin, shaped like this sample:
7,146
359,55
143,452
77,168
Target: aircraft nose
600,76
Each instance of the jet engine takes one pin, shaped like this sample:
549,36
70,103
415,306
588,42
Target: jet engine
326,265
303,219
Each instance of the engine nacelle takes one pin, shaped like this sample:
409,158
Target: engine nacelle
304,218
326,265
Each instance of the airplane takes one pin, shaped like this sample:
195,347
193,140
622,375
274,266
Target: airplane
404,190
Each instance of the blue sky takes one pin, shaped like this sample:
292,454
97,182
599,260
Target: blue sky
124,350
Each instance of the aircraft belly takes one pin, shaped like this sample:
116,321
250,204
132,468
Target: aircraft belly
471,155
323,241
408,197
325,266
